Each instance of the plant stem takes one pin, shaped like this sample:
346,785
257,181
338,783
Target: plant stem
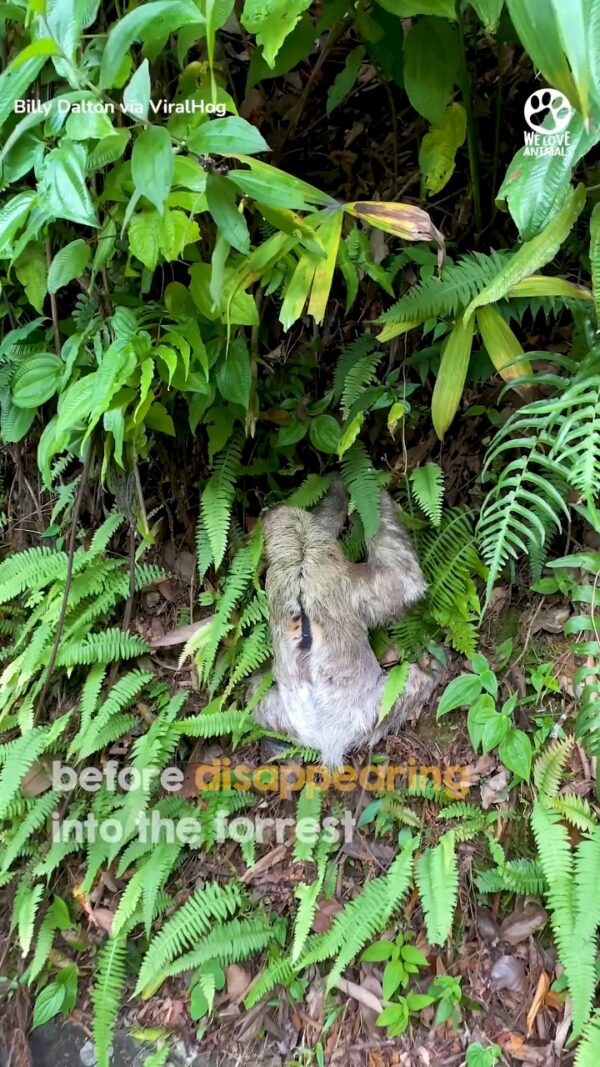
69,576
53,304
472,139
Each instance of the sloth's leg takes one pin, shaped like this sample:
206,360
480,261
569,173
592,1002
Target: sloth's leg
420,685
270,712
391,579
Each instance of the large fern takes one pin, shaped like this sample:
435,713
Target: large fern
544,449
190,922
446,295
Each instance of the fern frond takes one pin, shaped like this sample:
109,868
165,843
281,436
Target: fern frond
26,828
437,296
217,498
362,482
107,647
428,489
550,765
437,879
106,995
228,942
190,922
588,1050
311,491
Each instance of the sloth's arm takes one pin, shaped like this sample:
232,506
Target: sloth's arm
391,580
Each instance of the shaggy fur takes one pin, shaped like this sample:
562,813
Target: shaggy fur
328,681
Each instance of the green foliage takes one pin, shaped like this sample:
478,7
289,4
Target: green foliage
544,449
437,879
450,564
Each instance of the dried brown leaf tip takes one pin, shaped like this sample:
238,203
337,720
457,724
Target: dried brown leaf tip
402,220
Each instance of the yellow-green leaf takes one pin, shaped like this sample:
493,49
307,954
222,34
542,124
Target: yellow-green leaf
350,433
394,329
541,285
532,254
439,147
298,289
451,375
329,233
402,220
502,346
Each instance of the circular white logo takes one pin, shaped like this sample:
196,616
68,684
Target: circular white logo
550,105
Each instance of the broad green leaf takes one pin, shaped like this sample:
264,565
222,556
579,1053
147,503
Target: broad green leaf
136,94
451,376
148,22
345,80
532,254
239,308
176,231
31,269
459,693
48,1003
431,57
89,126
445,9
378,952
45,47
502,346
108,150
394,686
393,975
68,263
188,174
62,188
144,237
486,726
489,12
225,137
27,153
12,215
15,81
152,165
274,187
535,187
300,43
271,21
36,380
515,752
15,422
439,147
234,375
561,41
329,233
324,432
222,204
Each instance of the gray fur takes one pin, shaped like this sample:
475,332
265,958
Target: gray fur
328,695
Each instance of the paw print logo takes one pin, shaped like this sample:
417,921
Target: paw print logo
550,105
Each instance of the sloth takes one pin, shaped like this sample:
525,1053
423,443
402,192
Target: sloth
328,681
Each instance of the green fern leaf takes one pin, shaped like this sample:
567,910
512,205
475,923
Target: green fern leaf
428,487
437,879
106,995
217,498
